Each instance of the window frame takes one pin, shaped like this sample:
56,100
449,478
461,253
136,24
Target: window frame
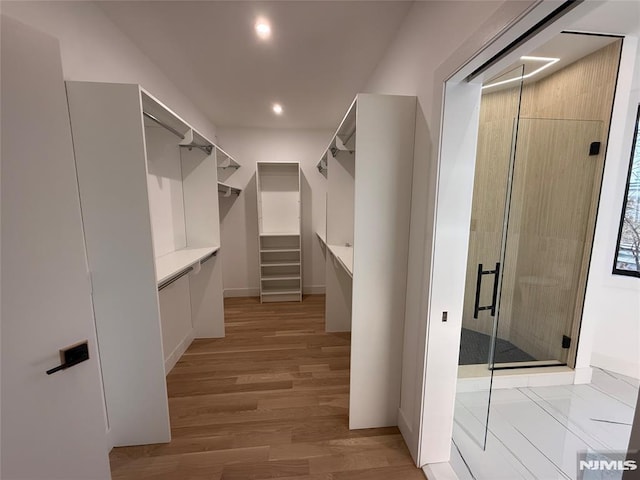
635,143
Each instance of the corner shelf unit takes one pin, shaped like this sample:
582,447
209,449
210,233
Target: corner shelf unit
152,235
226,167
368,165
280,246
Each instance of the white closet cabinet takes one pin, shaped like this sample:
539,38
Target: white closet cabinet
278,194
368,165
150,212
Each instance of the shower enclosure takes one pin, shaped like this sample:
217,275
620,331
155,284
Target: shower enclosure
534,199
526,259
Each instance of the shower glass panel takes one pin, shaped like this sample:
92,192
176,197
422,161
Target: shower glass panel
554,193
492,188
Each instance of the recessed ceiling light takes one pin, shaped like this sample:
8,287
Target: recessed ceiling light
263,29
547,62
277,108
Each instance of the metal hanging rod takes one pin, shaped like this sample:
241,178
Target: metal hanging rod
227,190
162,124
168,282
206,259
184,272
205,148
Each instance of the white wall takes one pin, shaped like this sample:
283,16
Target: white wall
94,49
239,215
610,336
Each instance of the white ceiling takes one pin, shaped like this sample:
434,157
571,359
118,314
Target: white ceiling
320,55
614,17
567,47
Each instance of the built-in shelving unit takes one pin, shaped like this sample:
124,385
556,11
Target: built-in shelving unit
280,246
368,165
152,235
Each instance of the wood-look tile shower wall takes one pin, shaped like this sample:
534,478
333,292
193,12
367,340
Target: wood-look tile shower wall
549,240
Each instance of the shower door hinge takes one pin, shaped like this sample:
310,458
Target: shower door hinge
566,341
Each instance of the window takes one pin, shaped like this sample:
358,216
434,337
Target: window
627,261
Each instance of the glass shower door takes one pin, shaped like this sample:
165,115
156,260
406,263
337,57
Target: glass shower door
495,156
555,187
528,257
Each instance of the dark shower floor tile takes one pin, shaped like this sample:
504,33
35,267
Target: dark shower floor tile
474,349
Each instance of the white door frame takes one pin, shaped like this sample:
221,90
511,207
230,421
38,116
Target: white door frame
457,121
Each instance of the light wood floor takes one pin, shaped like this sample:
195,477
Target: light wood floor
268,401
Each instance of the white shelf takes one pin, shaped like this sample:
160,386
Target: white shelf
280,234
173,263
227,190
224,160
279,250
266,278
266,291
283,263
344,256
322,238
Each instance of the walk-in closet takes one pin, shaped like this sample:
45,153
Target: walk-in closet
319,240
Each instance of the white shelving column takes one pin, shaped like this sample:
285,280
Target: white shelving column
279,207
368,165
150,213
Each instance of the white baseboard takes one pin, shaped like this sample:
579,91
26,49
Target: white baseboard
313,290
616,365
439,471
407,433
583,375
255,292
241,292
173,358
109,439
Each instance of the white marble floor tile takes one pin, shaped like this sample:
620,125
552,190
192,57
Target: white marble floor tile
591,415
537,432
615,386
